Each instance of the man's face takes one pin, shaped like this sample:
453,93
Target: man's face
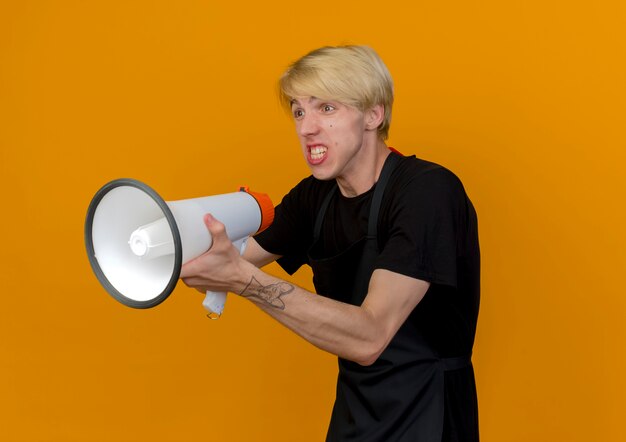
331,135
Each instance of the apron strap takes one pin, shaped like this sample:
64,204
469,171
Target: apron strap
389,166
371,249
320,215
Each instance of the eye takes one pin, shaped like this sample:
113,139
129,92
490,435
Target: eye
328,108
298,113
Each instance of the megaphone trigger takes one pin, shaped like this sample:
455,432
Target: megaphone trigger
214,301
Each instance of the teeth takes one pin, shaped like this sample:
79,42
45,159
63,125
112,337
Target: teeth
317,152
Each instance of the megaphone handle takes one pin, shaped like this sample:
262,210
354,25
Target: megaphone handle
214,301
214,304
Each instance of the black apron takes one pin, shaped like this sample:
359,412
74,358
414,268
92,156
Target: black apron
400,397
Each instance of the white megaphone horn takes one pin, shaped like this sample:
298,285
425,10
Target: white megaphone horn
137,242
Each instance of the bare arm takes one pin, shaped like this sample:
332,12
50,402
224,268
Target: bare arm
357,333
256,255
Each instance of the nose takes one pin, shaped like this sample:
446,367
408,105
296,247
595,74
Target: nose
308,125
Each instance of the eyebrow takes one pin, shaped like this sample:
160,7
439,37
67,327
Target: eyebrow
294,101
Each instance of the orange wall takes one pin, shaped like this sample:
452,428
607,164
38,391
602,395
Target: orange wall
525,101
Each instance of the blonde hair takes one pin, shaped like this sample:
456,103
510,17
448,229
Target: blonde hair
352,75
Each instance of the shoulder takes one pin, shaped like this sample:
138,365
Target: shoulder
416,176
425,193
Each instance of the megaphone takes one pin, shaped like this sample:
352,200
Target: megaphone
137,242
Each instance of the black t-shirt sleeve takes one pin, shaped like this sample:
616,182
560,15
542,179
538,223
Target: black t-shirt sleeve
425,220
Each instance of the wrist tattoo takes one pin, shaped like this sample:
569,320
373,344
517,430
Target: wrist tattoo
269,294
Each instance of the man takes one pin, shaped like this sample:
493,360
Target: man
393,245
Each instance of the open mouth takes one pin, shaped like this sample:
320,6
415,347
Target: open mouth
317,153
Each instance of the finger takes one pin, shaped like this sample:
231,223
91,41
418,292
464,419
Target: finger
194,283
216,228
187,270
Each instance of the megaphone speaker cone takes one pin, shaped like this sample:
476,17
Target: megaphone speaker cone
133,243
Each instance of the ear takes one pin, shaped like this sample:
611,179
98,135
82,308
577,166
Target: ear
374,117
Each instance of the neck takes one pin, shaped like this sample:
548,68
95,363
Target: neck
367,170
